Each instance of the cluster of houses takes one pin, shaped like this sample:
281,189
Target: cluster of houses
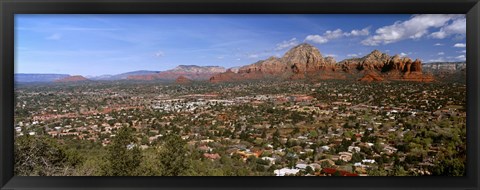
219,128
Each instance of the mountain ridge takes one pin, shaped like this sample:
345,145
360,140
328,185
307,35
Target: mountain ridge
305,61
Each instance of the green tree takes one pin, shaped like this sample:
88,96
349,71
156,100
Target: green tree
124,156
40,156
357,157
309,170
173,157
450,167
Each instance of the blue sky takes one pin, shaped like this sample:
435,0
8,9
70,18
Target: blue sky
93,45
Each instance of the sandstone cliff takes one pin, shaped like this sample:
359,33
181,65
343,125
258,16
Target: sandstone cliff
183,80
306,62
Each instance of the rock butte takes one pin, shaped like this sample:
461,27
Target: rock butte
183,80
305,61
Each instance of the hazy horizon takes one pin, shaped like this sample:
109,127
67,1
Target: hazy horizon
95,45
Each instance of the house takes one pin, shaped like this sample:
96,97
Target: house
301,166
389,150
286,171
270,159
205,148
330,162
326,148
345,156
53,133
315,166
207,141
211,156
370,161
353,148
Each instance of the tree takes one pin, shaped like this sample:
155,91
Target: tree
399,171
173,158
337,173
39,156
124,156
450,167
357,157
309,170
276,139
264,134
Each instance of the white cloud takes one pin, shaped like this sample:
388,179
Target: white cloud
441,53
458,26
403,54
460,45
335,34
353,55
159,54
253,56
440,59
286,44
220,57
438,44
55,36
449,59
414,28
331,55
463,51
362,32
316,39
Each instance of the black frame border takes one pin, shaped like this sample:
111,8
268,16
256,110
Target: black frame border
8,8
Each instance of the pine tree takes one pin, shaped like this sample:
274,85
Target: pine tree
123,155
173,157
39,156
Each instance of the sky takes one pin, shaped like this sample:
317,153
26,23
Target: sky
93,45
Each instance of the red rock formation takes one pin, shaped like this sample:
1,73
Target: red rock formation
228,76
183,80
297,63
76,78
271,66
306,57
391,68
370,77
305,62
374,61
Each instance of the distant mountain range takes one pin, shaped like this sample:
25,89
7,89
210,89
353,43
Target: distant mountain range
192,72
22,77
123,75
303,61
444,66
